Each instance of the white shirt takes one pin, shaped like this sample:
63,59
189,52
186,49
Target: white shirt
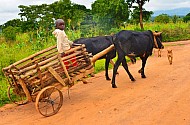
63,43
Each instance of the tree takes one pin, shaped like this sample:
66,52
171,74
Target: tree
36,16
140,4
29,16
175,18
72,14
186,18
78,13
110,13
163,18
13,23
135,15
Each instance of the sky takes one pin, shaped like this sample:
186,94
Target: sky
9,8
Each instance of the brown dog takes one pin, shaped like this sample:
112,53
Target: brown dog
170,55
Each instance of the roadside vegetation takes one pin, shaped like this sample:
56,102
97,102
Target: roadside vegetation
20,38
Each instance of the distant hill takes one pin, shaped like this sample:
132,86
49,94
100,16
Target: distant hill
178,12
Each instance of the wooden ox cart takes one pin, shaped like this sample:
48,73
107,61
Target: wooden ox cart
40,77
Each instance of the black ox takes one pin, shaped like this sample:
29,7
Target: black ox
135,44
97,44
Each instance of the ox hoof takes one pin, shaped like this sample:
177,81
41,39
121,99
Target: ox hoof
107,78
92,75
133,79
140,71
114,86
84,81
143,76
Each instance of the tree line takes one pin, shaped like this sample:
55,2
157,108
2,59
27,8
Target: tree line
104,14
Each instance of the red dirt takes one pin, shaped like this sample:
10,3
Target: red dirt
160,99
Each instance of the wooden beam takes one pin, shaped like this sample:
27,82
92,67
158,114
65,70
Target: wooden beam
31,72
28,96
74,49
39,64
64,68
56,75
100,54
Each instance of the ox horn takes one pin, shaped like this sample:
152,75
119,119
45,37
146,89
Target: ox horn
157,33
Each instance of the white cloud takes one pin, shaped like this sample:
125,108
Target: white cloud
9,8
166,4
87,3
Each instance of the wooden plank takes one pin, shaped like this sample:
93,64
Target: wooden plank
41,68
85,73
34,76
64,68
71,55
74,49
40,75
28,96
38,59
13,78
40,64
56,75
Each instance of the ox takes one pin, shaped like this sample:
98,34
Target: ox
97,44
134,44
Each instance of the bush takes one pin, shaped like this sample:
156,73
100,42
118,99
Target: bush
163,18
176,34
9,33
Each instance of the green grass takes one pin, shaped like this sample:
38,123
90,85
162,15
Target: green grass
3,92
170,31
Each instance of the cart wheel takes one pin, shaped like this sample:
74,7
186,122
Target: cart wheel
48,101
17,95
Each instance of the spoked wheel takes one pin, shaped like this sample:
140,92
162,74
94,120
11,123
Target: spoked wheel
17,95
49,100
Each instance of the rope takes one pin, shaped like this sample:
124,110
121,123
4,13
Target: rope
156,44
156,34
68,92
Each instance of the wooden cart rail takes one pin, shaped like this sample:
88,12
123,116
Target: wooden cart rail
45,67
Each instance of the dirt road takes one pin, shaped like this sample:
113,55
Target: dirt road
163,98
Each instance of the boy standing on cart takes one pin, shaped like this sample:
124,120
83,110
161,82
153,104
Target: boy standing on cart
63,43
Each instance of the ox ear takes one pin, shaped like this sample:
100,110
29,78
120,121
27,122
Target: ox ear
157,33
114,37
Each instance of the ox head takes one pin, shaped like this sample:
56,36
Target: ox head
158,40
